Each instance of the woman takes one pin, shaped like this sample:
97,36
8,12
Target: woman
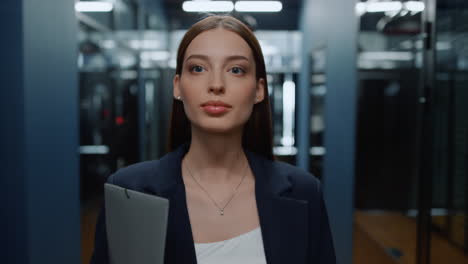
230,202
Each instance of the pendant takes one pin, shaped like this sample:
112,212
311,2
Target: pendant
221,212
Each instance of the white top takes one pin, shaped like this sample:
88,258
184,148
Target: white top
246,249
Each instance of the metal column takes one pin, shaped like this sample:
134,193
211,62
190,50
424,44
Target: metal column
340,123
426,101
332,24
39,132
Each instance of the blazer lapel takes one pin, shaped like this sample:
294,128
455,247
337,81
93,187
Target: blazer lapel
283,220
180,248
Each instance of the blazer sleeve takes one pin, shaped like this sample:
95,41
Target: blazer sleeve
326,250
100,253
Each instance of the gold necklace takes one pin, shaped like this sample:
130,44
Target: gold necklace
221,209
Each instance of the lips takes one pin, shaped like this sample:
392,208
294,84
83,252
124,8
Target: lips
216,107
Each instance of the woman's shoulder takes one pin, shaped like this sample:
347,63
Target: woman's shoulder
295,173
139,175
134,172
303,183
279,170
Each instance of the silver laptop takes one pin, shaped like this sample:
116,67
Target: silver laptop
136,226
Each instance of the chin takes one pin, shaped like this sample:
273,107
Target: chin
219,127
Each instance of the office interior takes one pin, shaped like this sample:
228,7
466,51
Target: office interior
371,96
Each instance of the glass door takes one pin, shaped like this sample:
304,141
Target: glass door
449,209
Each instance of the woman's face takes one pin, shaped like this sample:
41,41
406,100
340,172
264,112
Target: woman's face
218,85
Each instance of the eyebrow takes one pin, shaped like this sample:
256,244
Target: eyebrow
204,57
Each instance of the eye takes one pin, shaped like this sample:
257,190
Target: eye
237,70
196,68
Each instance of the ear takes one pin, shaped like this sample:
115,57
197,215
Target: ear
260,91
176,86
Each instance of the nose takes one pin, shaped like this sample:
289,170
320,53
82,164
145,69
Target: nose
216,85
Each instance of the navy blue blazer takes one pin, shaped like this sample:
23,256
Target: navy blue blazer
292,214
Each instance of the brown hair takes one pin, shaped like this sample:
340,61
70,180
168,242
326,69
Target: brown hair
257,135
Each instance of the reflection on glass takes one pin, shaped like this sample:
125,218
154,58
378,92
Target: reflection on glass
449,240
119,61
289,101
389,65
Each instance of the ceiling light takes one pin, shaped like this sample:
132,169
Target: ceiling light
259,6
383,6
158,55
94,149
208,6
93,6
145,44
414,6
361,8
392,7
386,55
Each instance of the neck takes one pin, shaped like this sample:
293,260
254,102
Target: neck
216,157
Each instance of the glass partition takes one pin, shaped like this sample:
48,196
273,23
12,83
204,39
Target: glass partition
390,67
412,138
449,236
122,60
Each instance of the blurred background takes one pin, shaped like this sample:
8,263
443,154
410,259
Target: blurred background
370,96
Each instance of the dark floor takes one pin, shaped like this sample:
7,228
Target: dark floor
384,238
394,235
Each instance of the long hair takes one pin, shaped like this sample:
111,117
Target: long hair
257,134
